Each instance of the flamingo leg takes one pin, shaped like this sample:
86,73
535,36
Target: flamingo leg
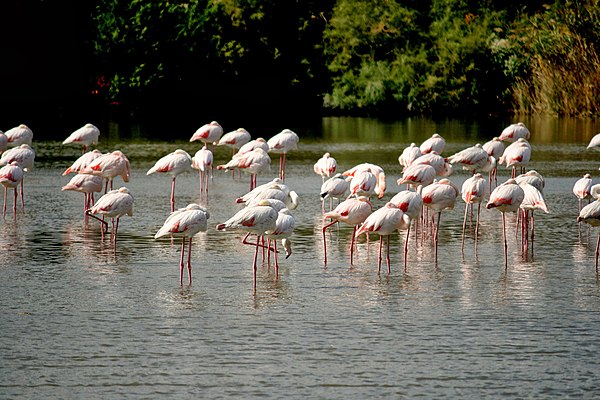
462,243
325,240
15,203
255,258
181,262
505,242
269,252
352,246
379,258
437,234
22,194
406,244
103,222
388,255
189,261
201,178
173,194
4,207
597,252
276,259
477,225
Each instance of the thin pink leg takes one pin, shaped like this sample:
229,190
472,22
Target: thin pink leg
255,259
462,243
406,245
597,252
352,246
189,262
388,255
4,207
325,241
379,258
505,242
15,204
276,259
22,194
181,262
173,195
477,226
437,233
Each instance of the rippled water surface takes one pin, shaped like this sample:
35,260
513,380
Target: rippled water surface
79,321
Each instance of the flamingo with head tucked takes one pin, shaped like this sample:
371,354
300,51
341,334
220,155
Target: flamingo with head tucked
86,184
19,135
439,196
114,205
411,203
435,143
474,191
109,166
281,144
203,161
85,136
514,132
23,155
325,166
3,142
11,175
590,214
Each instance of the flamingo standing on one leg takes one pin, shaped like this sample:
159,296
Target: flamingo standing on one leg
506,198
173,164
19,135
282,143
257,219
203,161
514,132
439,196
85,136
474,190
380,183
185,223
235,140
472,158
208,133
418,175
86,184
114,205
516,155
10,177
582,188
352,211
25,157
409,154
384,222
284,228
533,200
494,148
109,166
590,214
435,143
252,163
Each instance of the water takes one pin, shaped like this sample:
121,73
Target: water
79,321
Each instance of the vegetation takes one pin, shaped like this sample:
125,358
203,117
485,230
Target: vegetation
377,57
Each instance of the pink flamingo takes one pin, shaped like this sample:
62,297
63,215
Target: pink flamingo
284,228
83,161
185,223
10,177
3,142
363,183
251,145
411,204
25,157
474,190
506,198
109,166
533,200
435,143
439,163
418,175
352,211
494,148
282,143
590,214
335,187
582,189
325,166
85,136
514,132
380,184
19,135
409,154
517,154
86,184
114,205
258,220
252,163
439,196
594,142
208,133
384,222
203,161
472,158
172,164
235,139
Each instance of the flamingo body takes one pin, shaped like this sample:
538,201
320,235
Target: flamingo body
19,135
435,143
513,132
83,161
85,136
208,133
325,166
235,139
418,174
335,187
409,154
380,183
3,142
473,158
24,155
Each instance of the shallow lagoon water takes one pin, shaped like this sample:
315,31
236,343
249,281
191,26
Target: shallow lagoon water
79,321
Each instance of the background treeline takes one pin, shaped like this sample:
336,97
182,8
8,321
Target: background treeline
352,57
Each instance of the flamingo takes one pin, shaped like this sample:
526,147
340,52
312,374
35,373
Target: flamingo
473,158
86,184
494,148
514,132
185,223
506,197
109,166
282,143
288,197
258,219
352,211
411,204
533,178
3,142
581,189
517,154
363,184
19,135
284,227
439,196
384,222
208,133
203,161
376,170
532,201
235,139
24,155
85,136
441,166
435,143
474,190
251,145
594,142
83,161
173,164
325,166
335,187
252,163
590,214
10,177
254,192
114,205
409,154
418,175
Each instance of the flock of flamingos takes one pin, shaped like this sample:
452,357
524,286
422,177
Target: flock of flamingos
267,212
